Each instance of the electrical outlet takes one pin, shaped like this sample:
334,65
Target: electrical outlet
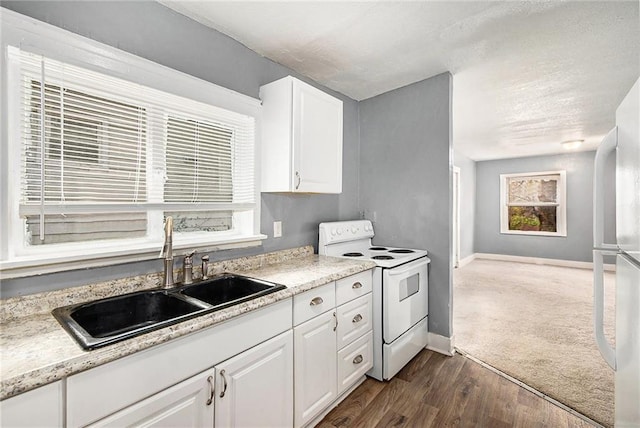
277,229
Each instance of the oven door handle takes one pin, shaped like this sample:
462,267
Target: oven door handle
395,272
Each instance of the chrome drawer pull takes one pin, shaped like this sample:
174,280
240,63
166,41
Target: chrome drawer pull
316,301
336,320
211,389
224,379
358,359
356,285
357,318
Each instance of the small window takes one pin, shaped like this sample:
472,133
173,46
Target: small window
533,203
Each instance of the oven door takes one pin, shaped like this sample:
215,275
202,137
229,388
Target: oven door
405,297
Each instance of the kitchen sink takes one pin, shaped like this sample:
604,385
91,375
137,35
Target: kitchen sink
110,320
106,321
228,289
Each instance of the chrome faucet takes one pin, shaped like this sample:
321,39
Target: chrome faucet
167,251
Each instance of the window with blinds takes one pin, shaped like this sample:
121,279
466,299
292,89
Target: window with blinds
102,158
534,203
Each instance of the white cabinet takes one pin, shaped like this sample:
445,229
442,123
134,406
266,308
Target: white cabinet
97,393
333,343
301,138
255,388
355,318
354,361
315,366
40,407
187,404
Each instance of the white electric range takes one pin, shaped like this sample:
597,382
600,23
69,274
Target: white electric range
400,292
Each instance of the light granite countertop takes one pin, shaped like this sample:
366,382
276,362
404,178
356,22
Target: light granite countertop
36,350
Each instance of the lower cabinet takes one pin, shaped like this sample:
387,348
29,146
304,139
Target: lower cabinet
315,366
187,404
255,388
40,407
333,344
354,361
125,385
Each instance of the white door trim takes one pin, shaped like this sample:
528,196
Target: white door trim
456,217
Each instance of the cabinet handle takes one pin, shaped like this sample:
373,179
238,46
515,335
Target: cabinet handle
211,389
316,301
299,178
356,285
335,318
358,359
224,387
357,318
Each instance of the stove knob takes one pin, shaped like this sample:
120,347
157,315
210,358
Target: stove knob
333,232
339,231
354,229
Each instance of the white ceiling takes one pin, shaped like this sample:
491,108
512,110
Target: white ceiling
526,75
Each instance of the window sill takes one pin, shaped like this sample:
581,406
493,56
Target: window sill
533,233
40,264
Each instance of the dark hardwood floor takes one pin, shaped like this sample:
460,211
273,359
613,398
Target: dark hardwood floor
438,391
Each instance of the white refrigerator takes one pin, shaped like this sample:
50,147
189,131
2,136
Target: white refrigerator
624,358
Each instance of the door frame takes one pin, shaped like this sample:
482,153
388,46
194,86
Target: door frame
456,217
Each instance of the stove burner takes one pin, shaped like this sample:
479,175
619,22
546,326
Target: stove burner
402,251
352,254
382,258
378,248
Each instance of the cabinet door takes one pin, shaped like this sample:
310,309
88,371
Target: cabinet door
187,404
315,366
40,407
255,388
317,140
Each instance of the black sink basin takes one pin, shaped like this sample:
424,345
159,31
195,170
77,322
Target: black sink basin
228,289
106,321
110,320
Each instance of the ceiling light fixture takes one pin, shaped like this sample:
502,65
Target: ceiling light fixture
572,144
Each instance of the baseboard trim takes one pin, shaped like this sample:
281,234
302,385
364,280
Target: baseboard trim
466,260
541,261
440,344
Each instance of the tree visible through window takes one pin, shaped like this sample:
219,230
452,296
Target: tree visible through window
533,203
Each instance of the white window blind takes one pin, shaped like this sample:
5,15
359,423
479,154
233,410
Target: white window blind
102,157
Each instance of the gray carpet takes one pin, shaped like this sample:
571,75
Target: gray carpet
534,323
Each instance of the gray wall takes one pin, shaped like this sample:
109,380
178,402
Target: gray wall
152,31
467,203
405,176
578,242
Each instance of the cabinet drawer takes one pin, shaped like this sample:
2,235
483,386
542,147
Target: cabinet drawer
354,320
313,302
353,286
354,361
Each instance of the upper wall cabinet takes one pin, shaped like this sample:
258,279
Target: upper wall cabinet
301,138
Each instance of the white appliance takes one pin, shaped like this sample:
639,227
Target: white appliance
624,140
400,292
